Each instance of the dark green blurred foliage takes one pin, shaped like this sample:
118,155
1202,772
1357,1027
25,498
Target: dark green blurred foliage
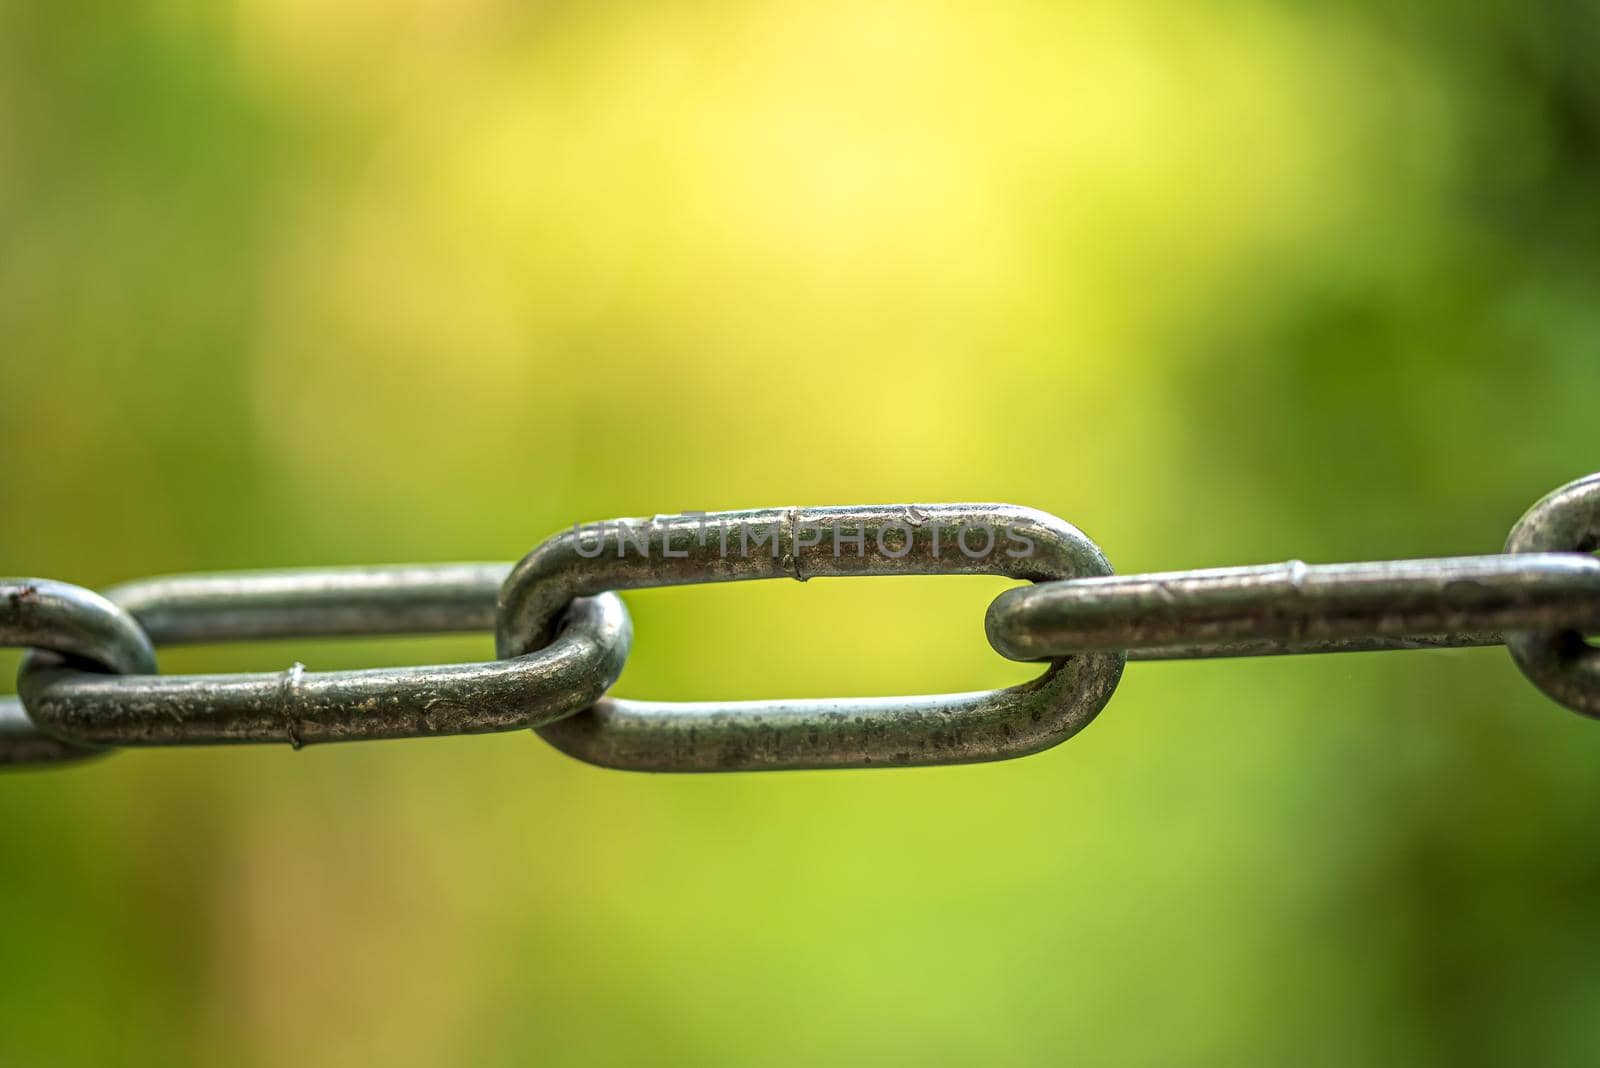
292,283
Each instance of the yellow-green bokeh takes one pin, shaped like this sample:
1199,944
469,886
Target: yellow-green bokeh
286,282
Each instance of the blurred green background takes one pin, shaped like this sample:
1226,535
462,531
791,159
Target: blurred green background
289,282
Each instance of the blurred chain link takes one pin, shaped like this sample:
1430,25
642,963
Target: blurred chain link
89,680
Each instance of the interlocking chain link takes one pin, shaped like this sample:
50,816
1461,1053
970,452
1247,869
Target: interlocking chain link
74,702
1299,608
90,683
814,543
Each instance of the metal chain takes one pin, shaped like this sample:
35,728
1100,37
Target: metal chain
89,681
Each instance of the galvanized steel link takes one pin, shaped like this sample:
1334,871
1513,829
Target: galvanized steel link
1299,608
303,707
803,544
1540,598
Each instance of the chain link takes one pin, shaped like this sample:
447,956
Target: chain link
300,707
805,544
1299,608
562,635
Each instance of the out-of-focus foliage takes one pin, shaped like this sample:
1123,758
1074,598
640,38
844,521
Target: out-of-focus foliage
290,282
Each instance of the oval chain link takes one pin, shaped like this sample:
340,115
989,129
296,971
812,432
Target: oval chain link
1294,607
953,539
303,707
